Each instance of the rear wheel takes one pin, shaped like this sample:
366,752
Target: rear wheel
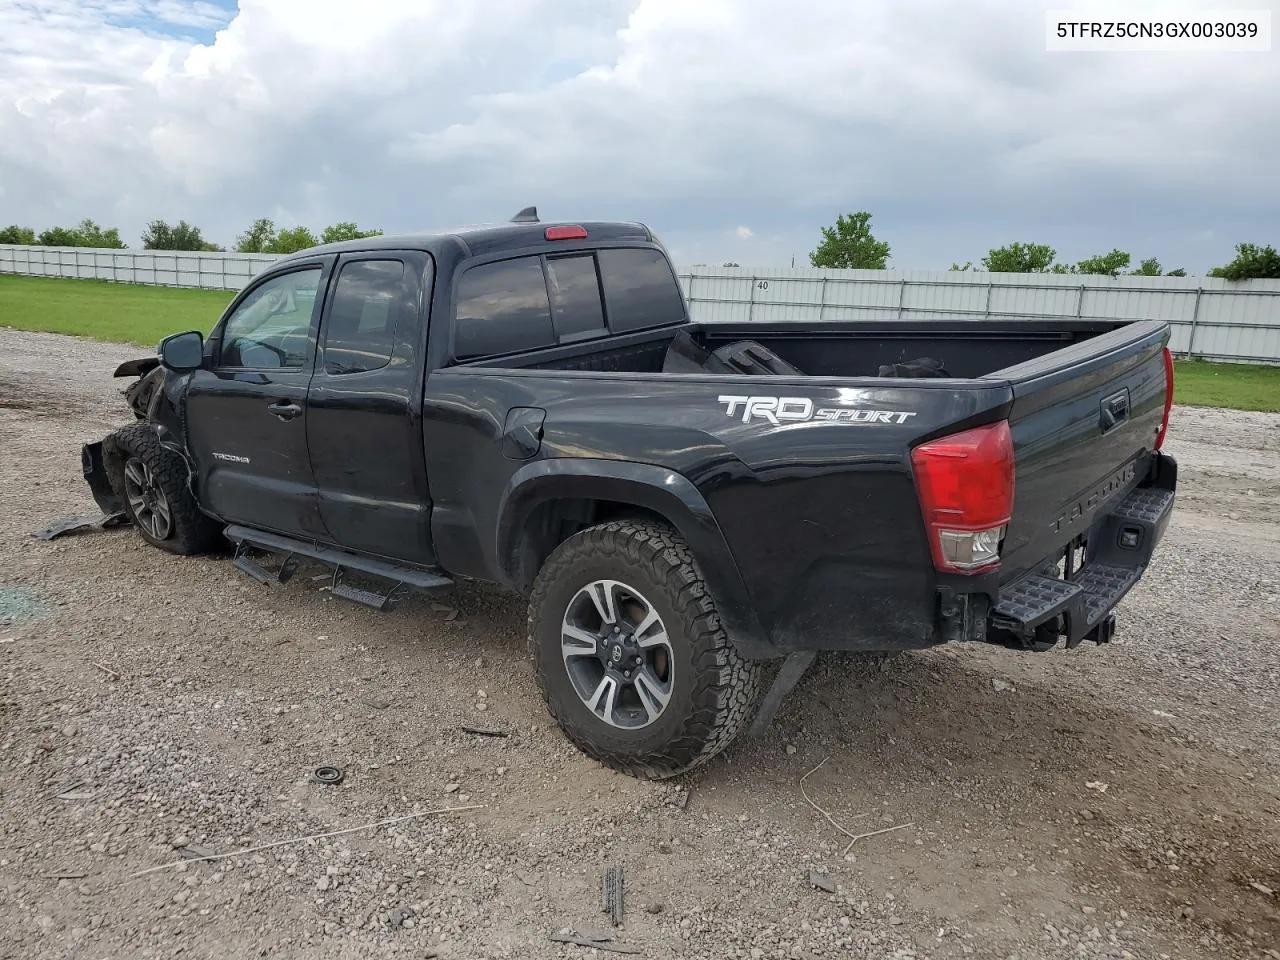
152,482
631,656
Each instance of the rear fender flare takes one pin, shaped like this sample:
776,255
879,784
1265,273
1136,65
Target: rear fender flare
656,489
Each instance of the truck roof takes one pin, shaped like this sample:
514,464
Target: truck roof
485,239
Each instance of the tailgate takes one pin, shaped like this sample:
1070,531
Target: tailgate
1084,422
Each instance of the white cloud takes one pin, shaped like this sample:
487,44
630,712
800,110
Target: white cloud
952,124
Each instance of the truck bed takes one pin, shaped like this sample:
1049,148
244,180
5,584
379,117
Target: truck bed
810,479
857,348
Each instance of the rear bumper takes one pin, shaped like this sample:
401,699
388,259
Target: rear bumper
1041,607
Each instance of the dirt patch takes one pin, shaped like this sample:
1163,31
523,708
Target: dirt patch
1114,802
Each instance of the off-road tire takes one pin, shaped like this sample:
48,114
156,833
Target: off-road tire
715,690
191,532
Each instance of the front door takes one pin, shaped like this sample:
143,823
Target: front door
247,412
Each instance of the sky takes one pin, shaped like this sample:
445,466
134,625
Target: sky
736,129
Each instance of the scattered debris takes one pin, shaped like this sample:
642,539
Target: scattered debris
1161,713
821,881
328,775
1001,686
1261,887
8,639
108,671
809,800
65,525
485,732
611,893
193,851
375,703
65,876
604,943
314,836
681,798
1097,785
398,915
653,908
75,795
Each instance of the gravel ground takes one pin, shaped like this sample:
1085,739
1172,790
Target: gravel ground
1115,802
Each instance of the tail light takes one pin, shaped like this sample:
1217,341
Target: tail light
1168,397
965,485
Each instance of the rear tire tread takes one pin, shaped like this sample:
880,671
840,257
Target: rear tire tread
726,685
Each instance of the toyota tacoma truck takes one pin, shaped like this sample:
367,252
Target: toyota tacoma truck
691,509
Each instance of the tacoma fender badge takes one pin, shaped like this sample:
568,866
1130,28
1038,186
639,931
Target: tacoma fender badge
229,457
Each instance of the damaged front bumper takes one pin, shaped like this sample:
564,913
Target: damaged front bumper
95,474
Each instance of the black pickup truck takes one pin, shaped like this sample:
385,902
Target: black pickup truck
529,404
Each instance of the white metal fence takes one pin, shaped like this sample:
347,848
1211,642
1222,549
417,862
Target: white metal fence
213,271
1211,318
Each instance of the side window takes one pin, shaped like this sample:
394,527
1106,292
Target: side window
575,297
272,326
502,308
640,289
368,301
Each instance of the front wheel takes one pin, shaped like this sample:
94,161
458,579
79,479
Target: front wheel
631,656
152,482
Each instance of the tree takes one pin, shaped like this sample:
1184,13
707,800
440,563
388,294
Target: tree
258,238
291,241
89,234
1107,264
346,230
1022,258
58,237
1251,263
849,245
17,234
183,236
1151,268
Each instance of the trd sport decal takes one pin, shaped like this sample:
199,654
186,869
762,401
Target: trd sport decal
779,410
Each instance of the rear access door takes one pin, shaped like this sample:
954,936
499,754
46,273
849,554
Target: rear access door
364,426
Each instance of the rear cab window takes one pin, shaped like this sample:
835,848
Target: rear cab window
640,289
537,301
503,307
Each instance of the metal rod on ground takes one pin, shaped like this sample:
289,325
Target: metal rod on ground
314,836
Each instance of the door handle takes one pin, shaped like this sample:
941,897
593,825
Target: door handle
1115,410
285,409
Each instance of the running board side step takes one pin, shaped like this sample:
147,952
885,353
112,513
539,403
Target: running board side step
246,539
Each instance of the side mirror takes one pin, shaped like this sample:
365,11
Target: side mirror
183,351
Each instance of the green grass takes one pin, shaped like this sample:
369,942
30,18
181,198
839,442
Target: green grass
135,313
1239,386
121,312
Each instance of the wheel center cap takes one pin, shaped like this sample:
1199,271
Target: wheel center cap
615,655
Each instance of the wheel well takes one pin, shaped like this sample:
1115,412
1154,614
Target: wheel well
553,522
